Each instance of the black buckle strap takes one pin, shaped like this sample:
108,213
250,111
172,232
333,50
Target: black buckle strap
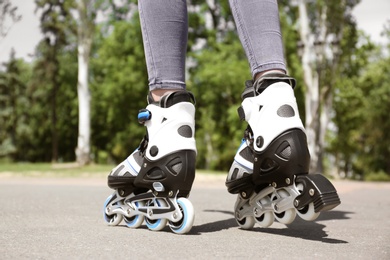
173,98
176,97
144,144
254,88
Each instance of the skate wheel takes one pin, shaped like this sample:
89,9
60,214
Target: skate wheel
184,225
307,213
246,223
288,216
135,221
111,219
156,224
267,218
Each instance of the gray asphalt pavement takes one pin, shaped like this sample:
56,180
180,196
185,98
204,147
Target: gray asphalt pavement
62,219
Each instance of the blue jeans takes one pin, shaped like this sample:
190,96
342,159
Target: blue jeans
164,25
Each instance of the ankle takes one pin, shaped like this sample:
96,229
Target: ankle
157,94
273,71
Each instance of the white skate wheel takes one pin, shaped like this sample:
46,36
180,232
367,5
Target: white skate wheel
307,213
267,219
288,216
246,223
184,225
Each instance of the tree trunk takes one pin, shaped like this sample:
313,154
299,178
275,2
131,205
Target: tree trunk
311,78
54,133
85,33
83,141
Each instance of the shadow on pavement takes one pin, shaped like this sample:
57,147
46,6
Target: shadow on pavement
309,230
333,214
215,226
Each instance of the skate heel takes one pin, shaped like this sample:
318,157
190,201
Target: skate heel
244,186
123,184
175,172
316,189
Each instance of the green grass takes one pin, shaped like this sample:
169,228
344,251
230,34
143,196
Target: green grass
65,170
53,170
377,176
211,172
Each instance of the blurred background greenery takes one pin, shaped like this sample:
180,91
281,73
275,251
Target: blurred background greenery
39,99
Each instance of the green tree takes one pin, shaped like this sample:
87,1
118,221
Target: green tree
361,145
345,143
321,28
218,69
87,11
375,137
56,28
119,90
217,81
13,107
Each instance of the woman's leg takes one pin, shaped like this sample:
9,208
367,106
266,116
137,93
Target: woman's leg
164,25
258,27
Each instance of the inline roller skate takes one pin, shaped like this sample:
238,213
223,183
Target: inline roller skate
270,168
153,183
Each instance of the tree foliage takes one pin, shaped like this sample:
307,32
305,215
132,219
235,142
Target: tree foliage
39,106
119,90
361,142
14,106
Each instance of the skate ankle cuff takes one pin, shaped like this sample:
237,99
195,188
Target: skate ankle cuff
173,98
255,88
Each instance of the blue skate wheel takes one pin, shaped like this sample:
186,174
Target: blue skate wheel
156,224
137,220
185,224
112,219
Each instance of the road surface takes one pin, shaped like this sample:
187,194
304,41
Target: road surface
61,218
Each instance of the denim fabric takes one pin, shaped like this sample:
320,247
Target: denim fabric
258,27
164,25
